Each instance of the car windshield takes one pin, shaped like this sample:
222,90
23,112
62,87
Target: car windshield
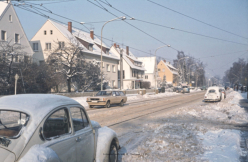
11,123
185,87
211,91
104,93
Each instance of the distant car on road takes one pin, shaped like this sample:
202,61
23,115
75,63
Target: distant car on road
45,127
213,94
203,88
106,98
178,90
186,89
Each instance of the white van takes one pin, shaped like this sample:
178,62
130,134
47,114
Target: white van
213,94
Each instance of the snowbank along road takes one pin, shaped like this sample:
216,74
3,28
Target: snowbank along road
179,128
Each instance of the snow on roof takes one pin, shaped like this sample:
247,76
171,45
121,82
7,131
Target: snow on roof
84,36
149,63
171,68
35,105
3,6
129,62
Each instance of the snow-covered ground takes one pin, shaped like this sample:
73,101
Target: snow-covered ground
195,133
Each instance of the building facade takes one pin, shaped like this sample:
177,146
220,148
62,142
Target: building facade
53,34
12,33
167,73
133,71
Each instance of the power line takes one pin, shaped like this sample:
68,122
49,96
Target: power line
43,15
197,19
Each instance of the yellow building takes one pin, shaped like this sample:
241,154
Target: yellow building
168,72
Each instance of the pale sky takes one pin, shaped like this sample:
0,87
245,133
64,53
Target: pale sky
229,15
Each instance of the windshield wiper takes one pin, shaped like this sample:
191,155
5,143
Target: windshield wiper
3,124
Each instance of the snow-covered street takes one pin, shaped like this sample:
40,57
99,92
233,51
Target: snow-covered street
162,130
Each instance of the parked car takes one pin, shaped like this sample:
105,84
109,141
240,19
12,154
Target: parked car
186,89
38,127
106,98
178,90
203,88
213,94
222,90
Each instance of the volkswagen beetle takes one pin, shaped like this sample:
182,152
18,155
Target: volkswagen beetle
51,128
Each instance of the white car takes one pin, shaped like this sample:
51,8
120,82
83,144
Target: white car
213,94
52,128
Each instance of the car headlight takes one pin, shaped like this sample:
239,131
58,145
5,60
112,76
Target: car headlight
102,99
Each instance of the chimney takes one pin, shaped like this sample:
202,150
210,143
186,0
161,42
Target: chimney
164,61
115,45
70,27
92,34
127,50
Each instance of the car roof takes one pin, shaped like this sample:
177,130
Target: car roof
36,105
213,88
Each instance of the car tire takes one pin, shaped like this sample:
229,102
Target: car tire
121,103
107,105
91,106
113,152
220,99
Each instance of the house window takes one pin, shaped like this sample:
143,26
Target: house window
158,69
113,83
108,67
51,32
61,45
45,32
16,59
35,46
42,62
17,38
107,51
3,35
48,46
113,68
10,18
90,47
163,70
103,64
146,76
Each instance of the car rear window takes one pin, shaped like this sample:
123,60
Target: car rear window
11,123
104,93
211,91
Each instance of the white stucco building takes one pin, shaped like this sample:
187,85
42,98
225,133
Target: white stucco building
12,33
149,63
133,71
48,36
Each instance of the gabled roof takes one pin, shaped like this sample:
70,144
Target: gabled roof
3,7
171,68
149,63
127,59
84,36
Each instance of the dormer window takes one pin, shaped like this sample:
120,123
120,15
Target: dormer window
107,51
45,32
10,18
51,32
90,47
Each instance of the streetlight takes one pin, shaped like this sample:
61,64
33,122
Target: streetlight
122,18
197,75
156,64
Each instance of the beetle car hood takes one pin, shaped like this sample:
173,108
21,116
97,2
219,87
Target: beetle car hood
6,156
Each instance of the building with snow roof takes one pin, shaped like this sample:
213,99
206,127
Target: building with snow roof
133,70
48,36
168,72
149,63
12,33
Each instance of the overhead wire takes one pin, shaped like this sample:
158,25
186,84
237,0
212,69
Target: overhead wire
196,19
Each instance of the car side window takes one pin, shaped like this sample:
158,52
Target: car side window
117,93
57,124
113,94
79,118
121,93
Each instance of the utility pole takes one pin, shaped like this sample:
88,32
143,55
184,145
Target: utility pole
16,78
121,68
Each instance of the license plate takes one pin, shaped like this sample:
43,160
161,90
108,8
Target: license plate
95,101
